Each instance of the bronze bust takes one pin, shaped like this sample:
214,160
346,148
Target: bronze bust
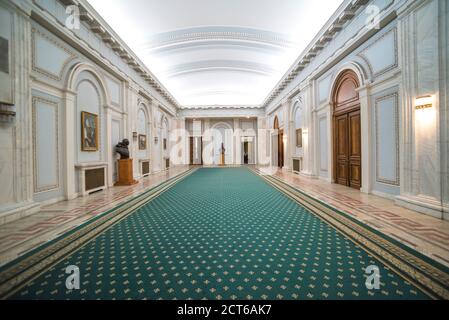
122,149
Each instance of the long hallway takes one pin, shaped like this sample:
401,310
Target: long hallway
222,233
139,134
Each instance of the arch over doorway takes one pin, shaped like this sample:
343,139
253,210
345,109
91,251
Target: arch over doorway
347,149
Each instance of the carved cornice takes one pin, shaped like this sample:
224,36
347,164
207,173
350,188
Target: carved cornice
228,107
328,33
97,25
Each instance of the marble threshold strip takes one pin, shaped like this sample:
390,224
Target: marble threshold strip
16,274
431,278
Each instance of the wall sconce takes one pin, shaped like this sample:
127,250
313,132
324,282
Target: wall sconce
7,112
426,115
424,102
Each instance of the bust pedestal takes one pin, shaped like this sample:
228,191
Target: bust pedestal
125,173
222,159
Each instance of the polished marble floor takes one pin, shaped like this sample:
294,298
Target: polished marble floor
425,234
20,236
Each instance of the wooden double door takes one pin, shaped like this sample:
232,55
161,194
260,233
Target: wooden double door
348,158
196,150
347,132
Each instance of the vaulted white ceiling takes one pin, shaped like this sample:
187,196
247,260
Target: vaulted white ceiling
217,52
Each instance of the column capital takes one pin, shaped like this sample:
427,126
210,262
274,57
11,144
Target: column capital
364,89
69,94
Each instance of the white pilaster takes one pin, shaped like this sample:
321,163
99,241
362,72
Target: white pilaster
69,151
366,139
237,157
286,109
108,148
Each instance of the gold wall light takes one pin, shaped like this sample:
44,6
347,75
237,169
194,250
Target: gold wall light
424,102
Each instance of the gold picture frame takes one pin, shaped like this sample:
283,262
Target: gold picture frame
89,132
142,142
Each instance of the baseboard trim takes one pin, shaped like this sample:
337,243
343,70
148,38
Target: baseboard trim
424,206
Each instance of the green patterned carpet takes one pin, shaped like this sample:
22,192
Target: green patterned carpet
220,234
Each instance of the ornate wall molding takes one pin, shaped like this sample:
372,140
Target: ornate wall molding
395,96
37,188
394,65
55,76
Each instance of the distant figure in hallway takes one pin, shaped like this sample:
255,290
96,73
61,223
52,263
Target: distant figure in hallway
222,153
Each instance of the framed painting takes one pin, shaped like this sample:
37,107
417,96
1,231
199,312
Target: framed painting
89,131
142,142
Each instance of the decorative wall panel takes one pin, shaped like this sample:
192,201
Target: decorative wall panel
45,145
387,139
382,55
6,56
323,89
49,57
114,90
323,144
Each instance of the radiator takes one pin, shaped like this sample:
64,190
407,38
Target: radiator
296,165
94,179
145,168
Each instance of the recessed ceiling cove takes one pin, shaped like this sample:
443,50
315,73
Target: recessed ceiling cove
217,52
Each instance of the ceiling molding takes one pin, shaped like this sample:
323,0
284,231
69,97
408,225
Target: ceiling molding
223,65
190,35
230,107
214,44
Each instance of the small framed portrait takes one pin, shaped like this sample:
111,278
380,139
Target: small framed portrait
89,132
142,142
299,138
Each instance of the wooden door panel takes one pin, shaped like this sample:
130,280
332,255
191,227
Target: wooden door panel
342,173
355,154
281,149
341,140
191,150
354,134
355,175
342,146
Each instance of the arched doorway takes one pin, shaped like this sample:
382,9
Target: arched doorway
279,142
346,129
222,133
